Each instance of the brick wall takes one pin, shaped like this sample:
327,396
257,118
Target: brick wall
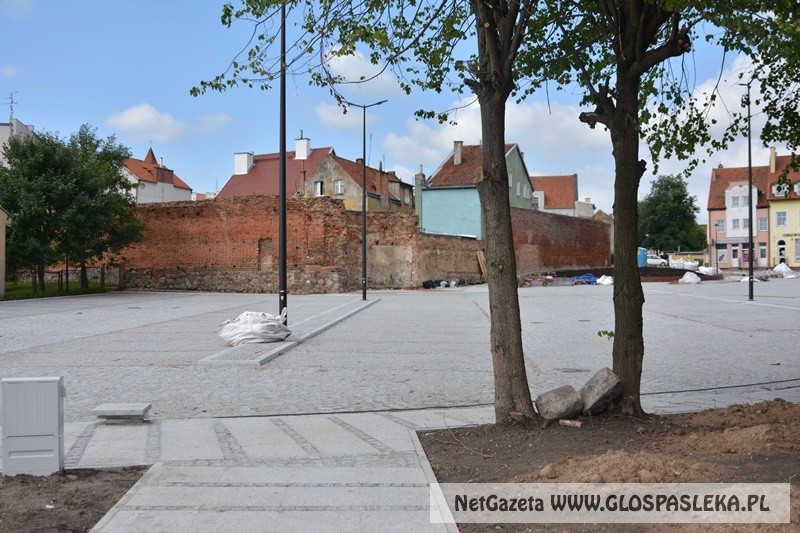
231,244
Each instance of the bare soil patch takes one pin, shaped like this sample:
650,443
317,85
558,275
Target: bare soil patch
743,443
73,501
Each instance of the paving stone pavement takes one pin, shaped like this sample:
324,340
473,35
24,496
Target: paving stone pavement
318,433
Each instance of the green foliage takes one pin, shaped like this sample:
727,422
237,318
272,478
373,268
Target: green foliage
68,199
667,217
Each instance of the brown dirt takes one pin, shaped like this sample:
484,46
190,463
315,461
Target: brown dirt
74,501
742,443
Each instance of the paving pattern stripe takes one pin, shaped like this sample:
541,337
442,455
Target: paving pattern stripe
296,437
152,450
222,484
231,449
73,457
398,420
399,459
369,439
285,508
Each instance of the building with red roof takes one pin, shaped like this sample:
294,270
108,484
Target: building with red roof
260,174
559,194
154,182
775,213
448,202
342,179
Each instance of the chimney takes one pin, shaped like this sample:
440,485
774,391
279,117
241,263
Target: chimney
458,147
242,162
302,148
772,156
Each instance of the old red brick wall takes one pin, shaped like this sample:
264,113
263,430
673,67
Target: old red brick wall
231,244
548,241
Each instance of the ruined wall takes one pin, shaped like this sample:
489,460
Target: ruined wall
550,241
231,245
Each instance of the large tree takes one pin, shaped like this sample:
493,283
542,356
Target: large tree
618,51
101,217
68,199
626,55
668,217
33,191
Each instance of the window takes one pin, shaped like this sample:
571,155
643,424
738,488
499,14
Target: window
510,180
762,224
734,201
735,223
722,256
780,218
518,187
797,188
797,249
338,187
779,190
762,250
745,223
719,226
319,188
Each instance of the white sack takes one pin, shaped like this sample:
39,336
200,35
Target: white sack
605,280
251,327
690,277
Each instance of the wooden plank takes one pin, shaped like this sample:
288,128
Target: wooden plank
482,263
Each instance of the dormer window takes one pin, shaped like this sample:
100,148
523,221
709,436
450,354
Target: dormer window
779,189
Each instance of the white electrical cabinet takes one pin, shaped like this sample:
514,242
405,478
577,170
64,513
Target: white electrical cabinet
33,425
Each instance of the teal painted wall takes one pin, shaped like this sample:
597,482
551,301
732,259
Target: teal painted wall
454,211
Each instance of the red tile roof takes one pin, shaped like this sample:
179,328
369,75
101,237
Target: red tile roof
723,178
150,171
464,174
560,192
355,170
263,178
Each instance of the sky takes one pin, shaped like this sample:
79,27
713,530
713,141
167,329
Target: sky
126,68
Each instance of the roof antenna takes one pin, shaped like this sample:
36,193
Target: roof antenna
11,103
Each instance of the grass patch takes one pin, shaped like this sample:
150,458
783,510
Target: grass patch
24,290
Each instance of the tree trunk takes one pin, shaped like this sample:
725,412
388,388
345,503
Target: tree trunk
40,276
511,391
628,350
84,276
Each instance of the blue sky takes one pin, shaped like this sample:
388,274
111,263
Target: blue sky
126,67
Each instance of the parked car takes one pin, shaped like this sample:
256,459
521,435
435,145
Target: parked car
654,260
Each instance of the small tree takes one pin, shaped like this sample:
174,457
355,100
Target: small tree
667,217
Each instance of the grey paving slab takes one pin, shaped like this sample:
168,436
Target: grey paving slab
118,445
189,439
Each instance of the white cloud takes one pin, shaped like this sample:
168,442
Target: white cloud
357,67
16,8
8,71
144,122
209,124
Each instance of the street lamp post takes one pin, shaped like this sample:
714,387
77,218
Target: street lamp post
750,197
364,194
282,290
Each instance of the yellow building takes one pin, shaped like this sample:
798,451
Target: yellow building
784,215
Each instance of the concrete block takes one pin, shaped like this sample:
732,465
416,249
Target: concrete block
563,402
602,389
122,412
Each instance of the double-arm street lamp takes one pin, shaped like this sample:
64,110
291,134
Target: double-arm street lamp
364,194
